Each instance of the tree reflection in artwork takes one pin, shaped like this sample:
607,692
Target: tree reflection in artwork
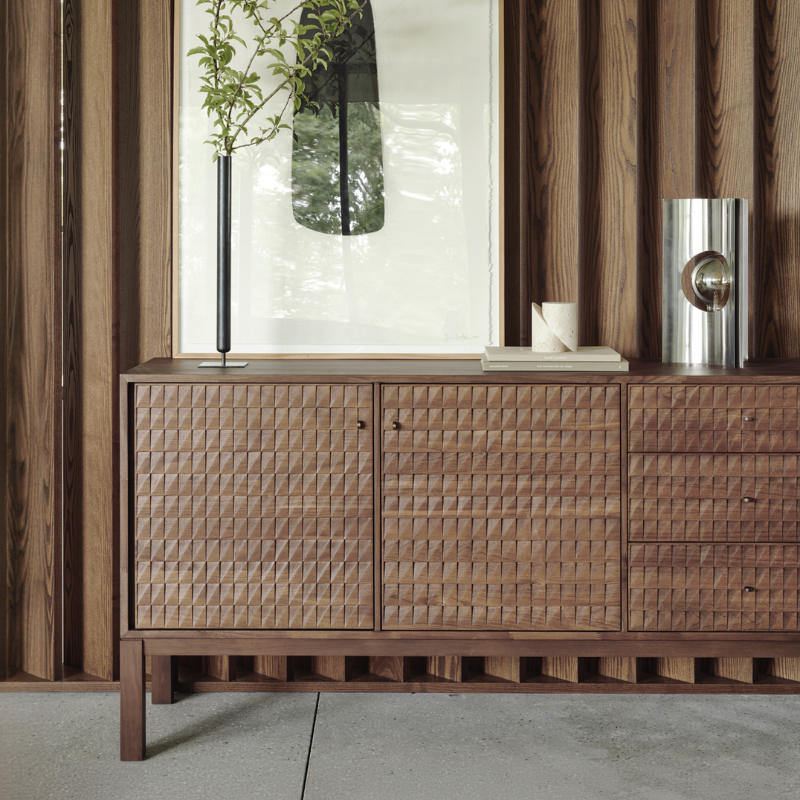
337,158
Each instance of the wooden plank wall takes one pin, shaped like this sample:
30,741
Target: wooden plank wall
30,268
610,105
117,292
632,101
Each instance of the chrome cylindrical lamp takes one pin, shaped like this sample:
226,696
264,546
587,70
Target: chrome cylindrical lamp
704,305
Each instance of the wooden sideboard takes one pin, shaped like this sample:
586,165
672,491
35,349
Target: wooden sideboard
380,513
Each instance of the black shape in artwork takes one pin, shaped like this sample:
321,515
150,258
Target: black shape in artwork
337,158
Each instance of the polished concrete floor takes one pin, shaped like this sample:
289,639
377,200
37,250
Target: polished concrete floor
330,746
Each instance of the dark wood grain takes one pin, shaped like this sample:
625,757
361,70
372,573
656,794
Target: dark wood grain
91,340
32,352
725,60
677,101
132,701
513,135
4,272
777,214
162,680
551,179
608,180
145,180
650,93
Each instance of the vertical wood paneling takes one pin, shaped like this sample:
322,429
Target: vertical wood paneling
608,180
777,213
676,90
724,131
513,270
650,94
552,175
4,672
145,173
91,343
32,337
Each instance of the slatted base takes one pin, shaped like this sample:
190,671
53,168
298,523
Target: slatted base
454,674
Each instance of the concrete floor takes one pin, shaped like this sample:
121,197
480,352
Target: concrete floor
414,747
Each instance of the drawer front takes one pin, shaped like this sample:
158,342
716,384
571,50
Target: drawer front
501,508
253,506
704,497
713,419
703,587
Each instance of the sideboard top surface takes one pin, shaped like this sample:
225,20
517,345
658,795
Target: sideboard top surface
424,370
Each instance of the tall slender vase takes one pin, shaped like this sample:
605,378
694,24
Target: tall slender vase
223,256
223,266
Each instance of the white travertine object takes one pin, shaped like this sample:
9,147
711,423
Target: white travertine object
554,327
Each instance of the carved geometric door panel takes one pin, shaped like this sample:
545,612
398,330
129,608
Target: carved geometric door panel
253,506
501,508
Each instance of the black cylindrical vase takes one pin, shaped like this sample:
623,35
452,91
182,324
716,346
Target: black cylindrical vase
223,255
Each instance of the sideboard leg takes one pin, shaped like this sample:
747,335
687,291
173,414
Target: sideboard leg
161,680
131,695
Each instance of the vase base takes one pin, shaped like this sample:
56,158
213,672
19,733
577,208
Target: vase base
220,365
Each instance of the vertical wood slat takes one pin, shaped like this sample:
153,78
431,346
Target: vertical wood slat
31,319
776,245
505,668
608,177
735,669
551,179
332,667
392,668
677,669
278,668
622,669
145,177
563,668
445,667
91,341
512,211
4,272
786,668
223,668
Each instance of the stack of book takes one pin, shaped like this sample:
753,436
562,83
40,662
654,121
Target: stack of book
523,359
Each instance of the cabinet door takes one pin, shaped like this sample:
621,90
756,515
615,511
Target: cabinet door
253,506
501,508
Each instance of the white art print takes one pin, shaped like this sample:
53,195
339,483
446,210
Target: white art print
419,272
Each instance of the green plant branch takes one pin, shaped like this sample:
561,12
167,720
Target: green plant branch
234,97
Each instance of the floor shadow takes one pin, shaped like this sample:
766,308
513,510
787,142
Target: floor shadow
238,713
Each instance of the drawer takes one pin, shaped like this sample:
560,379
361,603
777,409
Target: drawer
706,497
713,419
713,587
252,506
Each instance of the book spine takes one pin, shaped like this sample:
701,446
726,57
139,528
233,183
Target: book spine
533,366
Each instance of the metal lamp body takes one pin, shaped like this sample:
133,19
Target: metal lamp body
704,303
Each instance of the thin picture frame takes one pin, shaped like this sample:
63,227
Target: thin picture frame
175,186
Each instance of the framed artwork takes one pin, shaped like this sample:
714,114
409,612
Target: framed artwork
372,226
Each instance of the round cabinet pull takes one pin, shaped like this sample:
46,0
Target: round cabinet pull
748,500
395,426
749,589
749,419
359,424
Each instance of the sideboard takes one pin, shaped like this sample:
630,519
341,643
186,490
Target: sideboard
424,518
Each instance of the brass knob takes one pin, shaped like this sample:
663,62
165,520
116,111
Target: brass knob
748,500
749,589
395,426
749,419
359,424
